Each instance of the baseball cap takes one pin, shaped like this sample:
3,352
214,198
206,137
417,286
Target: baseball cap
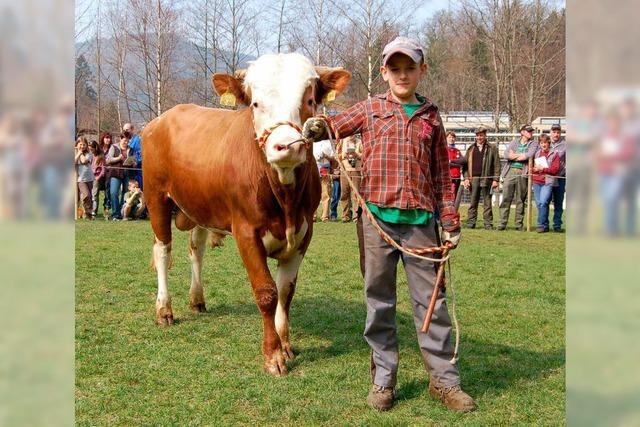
556,126
403,45
527,127
481,129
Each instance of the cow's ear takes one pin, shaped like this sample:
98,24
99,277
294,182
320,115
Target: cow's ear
224,83
331,79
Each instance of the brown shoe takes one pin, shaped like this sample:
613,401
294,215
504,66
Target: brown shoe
381,398
453,398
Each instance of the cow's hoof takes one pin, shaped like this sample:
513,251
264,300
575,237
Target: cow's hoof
275,364
164,314
199,307
164,319
288,351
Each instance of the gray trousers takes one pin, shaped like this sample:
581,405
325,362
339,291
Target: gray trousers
381,261
477,193
514,186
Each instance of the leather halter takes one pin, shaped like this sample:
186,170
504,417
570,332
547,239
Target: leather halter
267,132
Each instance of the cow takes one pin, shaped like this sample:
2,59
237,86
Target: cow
248,173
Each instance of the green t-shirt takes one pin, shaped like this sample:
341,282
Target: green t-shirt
411,108
400,216
522,149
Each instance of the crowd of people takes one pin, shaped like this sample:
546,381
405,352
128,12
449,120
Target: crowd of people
112,168
480,172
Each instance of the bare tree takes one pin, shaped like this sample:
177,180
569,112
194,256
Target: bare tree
202,23
152,42
374,23
238,17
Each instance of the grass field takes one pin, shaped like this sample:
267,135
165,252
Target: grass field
207,368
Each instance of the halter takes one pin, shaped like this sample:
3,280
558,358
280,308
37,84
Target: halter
267,132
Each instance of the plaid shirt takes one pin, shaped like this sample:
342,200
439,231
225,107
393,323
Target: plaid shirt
405,160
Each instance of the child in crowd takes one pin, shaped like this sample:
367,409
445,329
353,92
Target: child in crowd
83,160
134,206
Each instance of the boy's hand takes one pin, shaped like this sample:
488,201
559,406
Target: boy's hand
314,128
453,237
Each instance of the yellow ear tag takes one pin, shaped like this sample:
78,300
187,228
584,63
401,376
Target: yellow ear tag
228,99
330,96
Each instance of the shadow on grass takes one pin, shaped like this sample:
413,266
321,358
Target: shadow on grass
487,366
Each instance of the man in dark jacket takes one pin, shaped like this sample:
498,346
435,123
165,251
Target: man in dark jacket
482,174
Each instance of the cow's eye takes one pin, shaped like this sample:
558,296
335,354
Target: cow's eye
255,105
310,102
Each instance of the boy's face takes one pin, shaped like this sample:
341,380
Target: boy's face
403,75
133,186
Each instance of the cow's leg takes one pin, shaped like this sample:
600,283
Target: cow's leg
286,281
197,246
160,213
265,292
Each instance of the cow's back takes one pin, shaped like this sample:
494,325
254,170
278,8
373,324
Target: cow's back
201,157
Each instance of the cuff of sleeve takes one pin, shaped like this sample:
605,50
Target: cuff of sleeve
450,220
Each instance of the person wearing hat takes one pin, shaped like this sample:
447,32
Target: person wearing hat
558,146
514,176
481,175
405,179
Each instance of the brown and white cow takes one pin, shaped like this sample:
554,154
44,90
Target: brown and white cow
207,164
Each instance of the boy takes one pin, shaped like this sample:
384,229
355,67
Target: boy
134,205
405,179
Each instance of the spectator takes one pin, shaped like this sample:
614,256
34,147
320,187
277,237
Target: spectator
587,129
118,179
335,193
455,165
615,158
547,164
324,155
630,127
135,144
134,205
559,147
98,175
482,173
83,161
352,163
105,144
514,176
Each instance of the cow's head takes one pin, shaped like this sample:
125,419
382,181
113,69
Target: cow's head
279,89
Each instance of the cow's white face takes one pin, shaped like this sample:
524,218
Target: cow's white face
282,88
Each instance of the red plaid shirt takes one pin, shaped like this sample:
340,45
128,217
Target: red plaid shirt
405,160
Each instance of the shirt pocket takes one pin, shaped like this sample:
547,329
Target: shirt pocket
384,124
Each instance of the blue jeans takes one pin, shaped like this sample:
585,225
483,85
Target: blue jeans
611,189
557,196
542,193
117,195
335,198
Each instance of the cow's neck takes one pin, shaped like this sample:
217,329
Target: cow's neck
289,197
286,176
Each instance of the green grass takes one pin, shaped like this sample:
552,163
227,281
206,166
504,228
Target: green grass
207,368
